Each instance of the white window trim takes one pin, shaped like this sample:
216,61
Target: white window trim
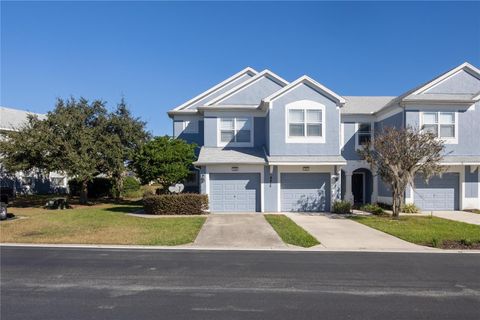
447,140
358,146
185,124
221,143
304,105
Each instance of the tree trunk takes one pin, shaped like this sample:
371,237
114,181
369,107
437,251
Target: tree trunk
84,192
118,182
397,203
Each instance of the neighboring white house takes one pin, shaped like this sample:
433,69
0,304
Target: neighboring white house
28,182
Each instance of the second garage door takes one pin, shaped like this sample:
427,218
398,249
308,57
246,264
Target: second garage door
305,192
440,193
234,192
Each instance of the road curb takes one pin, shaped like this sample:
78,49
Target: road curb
192,248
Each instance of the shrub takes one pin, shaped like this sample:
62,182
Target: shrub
410,208
373,209
384,206
130,184
97,188
342,207
176,204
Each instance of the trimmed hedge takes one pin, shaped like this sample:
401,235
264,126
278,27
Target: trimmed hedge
373,208
176,204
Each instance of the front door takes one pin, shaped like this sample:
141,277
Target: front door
358,180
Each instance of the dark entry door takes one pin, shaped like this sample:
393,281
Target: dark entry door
357,187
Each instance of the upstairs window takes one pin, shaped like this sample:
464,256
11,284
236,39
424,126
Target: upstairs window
305,123
364,133
236,131
441,124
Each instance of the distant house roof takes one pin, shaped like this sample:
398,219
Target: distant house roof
365,105
13,119
212,155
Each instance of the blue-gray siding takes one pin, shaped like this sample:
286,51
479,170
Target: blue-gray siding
471,183
253,93
234,192
440,193
305,192
461,83
277,143
468,127
270,189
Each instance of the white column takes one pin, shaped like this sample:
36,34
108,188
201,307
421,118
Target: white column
348,187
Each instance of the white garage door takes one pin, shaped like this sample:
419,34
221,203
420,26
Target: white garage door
234,192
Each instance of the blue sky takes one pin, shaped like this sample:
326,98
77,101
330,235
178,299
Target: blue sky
160,54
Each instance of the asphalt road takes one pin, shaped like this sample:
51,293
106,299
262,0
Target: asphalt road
53,283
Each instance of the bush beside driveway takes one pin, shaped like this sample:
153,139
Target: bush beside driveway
427,231
99,224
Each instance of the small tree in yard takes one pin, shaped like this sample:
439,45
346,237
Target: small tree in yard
164,160
398,155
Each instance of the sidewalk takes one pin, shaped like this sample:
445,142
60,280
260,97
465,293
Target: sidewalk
462,216
338,233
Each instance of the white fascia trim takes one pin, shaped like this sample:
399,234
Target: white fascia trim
196,163
265,73
215,88
477,97
305,80
323,163
446,75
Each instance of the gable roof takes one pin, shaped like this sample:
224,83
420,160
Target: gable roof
247,71
464,66
264,74
309,82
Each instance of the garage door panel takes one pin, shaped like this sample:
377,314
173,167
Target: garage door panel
308,192
440,193
235,192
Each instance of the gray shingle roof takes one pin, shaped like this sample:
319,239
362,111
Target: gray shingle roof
209,155
307,159
365,104
13,119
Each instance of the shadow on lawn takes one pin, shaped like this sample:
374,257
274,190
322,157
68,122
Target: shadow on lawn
125,209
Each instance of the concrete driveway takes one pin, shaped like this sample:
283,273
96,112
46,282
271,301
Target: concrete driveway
462,216
250,231
338,233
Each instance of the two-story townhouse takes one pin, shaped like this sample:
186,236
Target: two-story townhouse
12,120
269,145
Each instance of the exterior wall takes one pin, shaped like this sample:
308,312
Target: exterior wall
393,121
178,130
349,135
461,82
468,126
253,93
277,125
271,188
471,182
210,129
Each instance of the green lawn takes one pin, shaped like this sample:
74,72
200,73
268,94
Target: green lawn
99,224
428,231
290,232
